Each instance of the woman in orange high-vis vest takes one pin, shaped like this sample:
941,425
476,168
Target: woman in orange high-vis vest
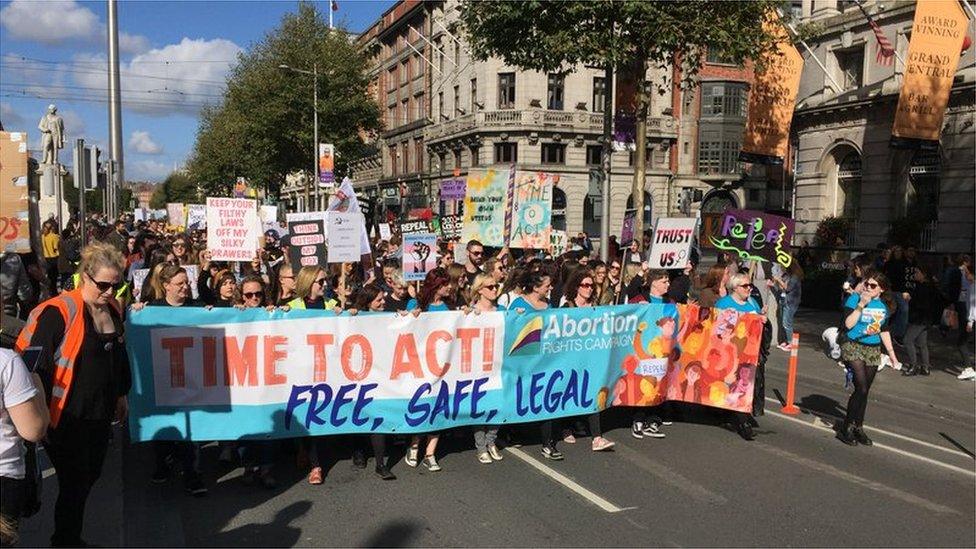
85,369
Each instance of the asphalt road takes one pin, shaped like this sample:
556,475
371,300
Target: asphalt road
795,485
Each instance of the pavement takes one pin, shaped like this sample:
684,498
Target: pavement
795,485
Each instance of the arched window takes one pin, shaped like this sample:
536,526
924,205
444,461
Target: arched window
849,183
925,178
717,201
593,206
648,208
558,209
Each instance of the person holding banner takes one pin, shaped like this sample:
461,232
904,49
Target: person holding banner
484,299
85,368
580,292
649,425
739,297
310,287
283,289
397,298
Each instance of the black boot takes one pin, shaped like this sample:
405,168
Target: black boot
860,437
846,434
384,472
745,430
358,459
909,370
924,369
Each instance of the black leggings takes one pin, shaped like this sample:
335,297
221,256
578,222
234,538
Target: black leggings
77,450
863,377
378,442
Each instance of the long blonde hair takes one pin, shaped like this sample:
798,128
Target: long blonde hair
304,280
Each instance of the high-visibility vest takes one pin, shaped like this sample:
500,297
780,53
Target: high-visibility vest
72,308
120,294
299,303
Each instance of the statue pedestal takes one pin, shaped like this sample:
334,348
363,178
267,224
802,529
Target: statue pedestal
47,203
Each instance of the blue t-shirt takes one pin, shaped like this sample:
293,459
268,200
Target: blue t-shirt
873,320
749,306
412,304
521,303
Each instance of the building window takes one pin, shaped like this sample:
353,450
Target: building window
457,101
724,99
851,66
393,159
849,181
405,111
475,151
457,158
925,176
553,153
418,152
440,106
474,94
716,57
441,161
405,151
440,55
506,90
556,92
421,104
594,155
457,54
599,94
391,120
718,157
420,64
648,205
391,78
506,153
648,155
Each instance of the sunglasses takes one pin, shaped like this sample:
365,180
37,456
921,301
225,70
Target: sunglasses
179,245
105,286
746,285
490,286
252,295
475,253
871,285
320,282
586,285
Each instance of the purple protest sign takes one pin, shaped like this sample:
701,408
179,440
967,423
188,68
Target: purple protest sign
453,189
627,232
754,235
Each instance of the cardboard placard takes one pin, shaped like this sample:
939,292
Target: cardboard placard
306,243
451,226
419,255
14,199
671,242
232,229
196,217
754,235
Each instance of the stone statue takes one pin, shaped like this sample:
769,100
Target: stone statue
52,135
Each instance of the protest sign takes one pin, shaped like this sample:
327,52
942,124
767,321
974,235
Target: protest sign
269,218
531,210
232,229
385,233
196,217
453,189
225,374
306,243
175,214
138,280
558,241
192,275
345,200
415,226
484,207
451,226
754,235
627,231
326,165
14,196
671,242
157,214
345,231
140,214
419,255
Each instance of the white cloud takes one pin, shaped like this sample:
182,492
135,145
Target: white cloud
142,143
175,78
12,120
147,170
58,22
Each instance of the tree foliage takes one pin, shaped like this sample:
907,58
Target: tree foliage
263,128
177,188
93,200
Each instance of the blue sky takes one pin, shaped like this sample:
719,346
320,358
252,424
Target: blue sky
175,57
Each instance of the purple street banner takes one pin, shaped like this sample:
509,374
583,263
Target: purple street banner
419,255
453,189
326,165
754,235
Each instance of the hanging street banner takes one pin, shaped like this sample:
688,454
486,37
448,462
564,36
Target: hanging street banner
453,189
532,210
451,226
326,165
306,243
484,207
938,33
772,99
232,229
345,231
419,255
226,374
671,243
196,217
754,235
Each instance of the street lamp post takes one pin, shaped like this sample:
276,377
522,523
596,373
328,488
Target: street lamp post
315,131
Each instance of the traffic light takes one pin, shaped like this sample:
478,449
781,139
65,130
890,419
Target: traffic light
96,176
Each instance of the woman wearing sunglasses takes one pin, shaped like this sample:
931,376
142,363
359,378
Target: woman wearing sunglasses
581,292
85,370
484,299
310,287
739,297
866,317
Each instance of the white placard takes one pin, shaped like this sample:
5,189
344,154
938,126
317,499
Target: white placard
196,217
232,229
385,233
345,232
671,244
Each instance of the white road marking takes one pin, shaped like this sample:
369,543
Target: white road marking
953,468
670,476
861,481
567,482
946,449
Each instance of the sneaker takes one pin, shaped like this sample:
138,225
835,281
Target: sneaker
785,347
923,369
385,473
745,431
845,434
968,373
430,462
909,370
860,437
484,457
160,475
637,429
653,430
411,457
568,437
195,487
667,422
550,452
495,453
601,444
315,476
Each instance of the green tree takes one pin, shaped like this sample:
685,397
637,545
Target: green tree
263,128
624,35
177,187
94,200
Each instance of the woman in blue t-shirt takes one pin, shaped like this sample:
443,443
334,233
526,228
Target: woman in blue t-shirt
739,297
484,299
866,316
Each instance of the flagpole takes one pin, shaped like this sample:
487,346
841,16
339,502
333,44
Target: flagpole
837,88
332,8
894,49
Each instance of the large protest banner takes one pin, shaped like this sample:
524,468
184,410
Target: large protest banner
232,229
532,210
938,32
754,235
227,374
671,242
484,207
419,255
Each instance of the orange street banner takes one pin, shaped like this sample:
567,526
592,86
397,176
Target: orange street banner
771,100
933,55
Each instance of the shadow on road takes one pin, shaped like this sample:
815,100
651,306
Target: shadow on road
277,533
400,533
824,407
